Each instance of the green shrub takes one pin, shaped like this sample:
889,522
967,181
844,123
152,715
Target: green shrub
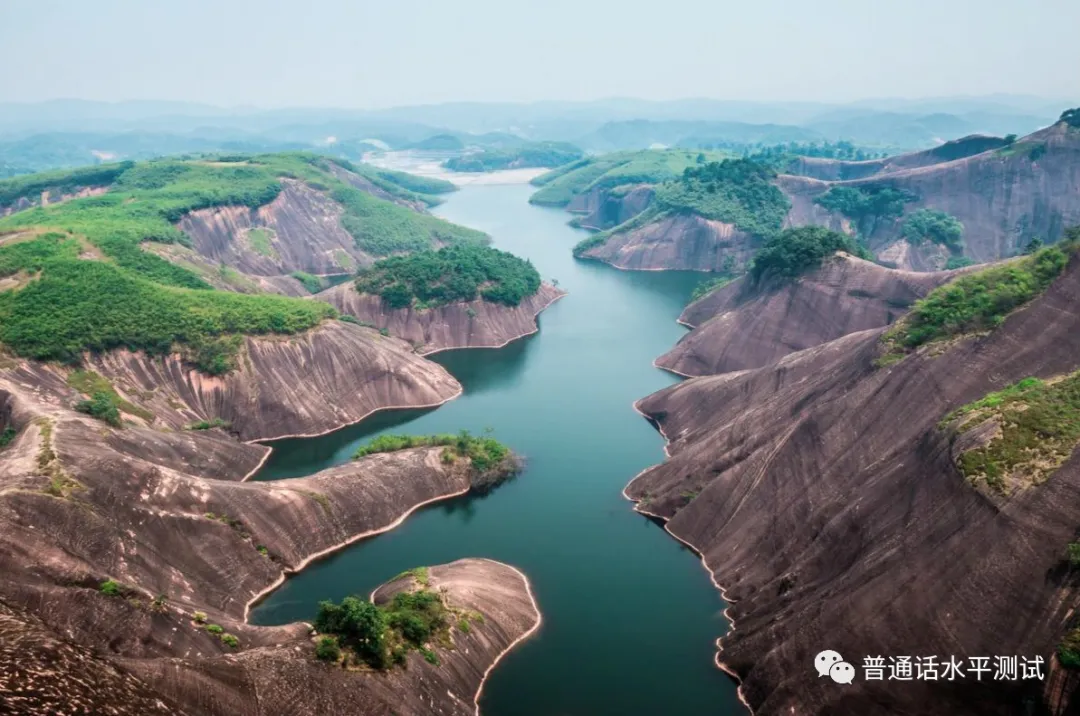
795,251
101,406
1068,650
312,284
327,649
217,355
199,617
452,274
111,588
1073,552
7,436
359,625
707,286
974,302
210,424
935,226
230,641
956,262
214,629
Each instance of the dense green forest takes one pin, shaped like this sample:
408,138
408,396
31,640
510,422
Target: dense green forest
735,191
867,204
88,285
538,154
935,226
795,251
451,274
607,171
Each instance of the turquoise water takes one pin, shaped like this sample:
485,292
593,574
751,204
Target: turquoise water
630,616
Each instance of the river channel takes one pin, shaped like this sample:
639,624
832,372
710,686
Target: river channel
630,616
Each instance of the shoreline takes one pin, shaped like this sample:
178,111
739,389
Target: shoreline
701,556
286,573
533,332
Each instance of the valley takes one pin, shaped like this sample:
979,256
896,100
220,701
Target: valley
239,393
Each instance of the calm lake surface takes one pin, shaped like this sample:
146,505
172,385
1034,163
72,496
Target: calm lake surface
629,614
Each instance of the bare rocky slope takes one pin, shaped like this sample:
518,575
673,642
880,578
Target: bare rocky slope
166,511
1004,195
301,229
824,497
473,324
601,209
748,325
675,242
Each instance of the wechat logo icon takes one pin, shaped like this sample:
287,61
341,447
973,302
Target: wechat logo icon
830,663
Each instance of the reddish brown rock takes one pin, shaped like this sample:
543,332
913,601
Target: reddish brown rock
822,493
749,325
475,324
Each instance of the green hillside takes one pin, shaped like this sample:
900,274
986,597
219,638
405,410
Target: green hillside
606,171
456,273
735,191
537,154
79,279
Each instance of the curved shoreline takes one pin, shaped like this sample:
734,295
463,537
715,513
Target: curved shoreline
286,573
704,562
515,642
258,441
533,332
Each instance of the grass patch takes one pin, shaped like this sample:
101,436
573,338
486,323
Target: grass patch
449,275
974,302
420,574
259,239
92,384
209,424
382,228
485,453
312,284
704,288
1039,430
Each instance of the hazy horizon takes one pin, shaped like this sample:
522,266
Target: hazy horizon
340,55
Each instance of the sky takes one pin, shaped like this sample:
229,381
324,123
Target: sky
382,53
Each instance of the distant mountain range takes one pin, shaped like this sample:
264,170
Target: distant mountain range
68,132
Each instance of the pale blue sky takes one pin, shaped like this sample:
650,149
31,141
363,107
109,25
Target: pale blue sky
378,53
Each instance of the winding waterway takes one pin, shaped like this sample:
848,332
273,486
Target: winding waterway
629,614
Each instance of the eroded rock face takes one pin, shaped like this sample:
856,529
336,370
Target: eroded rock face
745,325
681,241
1004,196
822,494
476,324
299,231
839,170
307,384
166,512
274,680
603,209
